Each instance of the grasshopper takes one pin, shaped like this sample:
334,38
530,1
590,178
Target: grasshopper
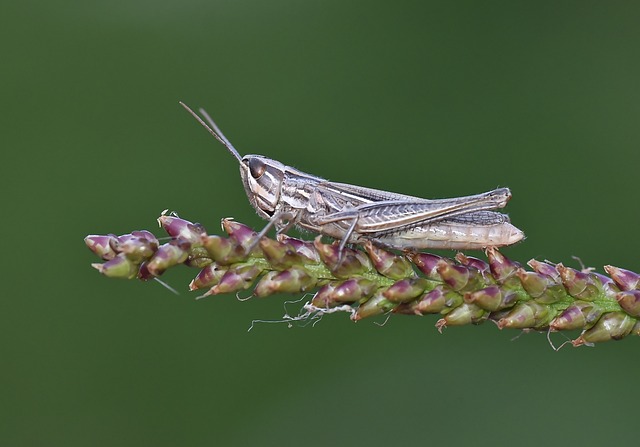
353,214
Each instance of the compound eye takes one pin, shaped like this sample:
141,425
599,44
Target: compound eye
257,168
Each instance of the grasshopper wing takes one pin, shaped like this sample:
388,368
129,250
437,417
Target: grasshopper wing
394,215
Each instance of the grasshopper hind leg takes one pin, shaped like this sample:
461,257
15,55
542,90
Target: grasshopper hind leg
345,238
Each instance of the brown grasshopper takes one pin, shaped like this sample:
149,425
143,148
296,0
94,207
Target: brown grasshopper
353,214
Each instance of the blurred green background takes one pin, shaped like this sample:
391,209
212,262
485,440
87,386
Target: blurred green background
435,99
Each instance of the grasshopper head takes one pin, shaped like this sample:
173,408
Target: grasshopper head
262,178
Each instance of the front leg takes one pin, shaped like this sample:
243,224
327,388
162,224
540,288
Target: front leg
281,220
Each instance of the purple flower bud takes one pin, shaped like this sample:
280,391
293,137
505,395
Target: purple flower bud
342,265
541,287
478,264
168,255
534,283
180,228
303,248
579,315
240,233
545,269
464,314
323,298
223,251
376,305
353,290
388,264
406,289
279,254
526,315
144,234
612,326
101,245
208,277
491,298
438,300
292,280
137,246
570,318
267,286
238,278
118,267
579,285
198,258
459,277
502,268
625,279
606,285
630,302
427,264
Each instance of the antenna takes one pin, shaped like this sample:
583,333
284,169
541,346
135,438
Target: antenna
217,133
